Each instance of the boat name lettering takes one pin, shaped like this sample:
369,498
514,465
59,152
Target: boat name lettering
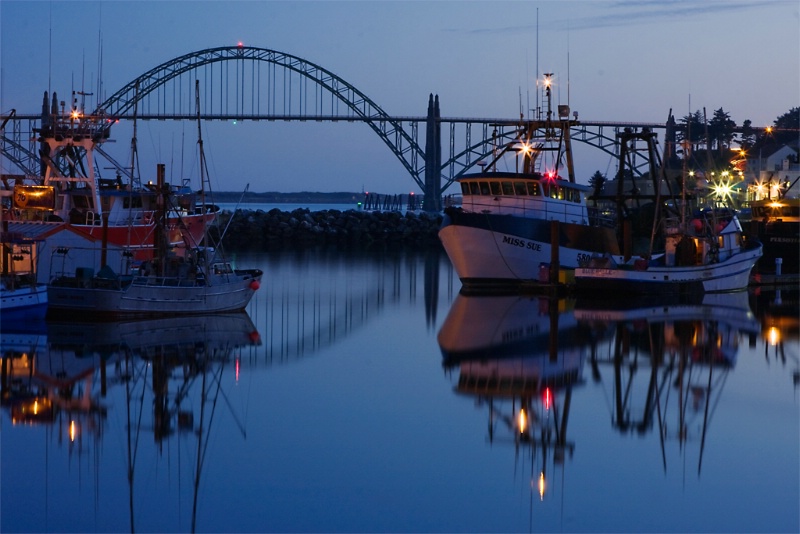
521,243
598,272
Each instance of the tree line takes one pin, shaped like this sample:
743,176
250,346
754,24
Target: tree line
718,133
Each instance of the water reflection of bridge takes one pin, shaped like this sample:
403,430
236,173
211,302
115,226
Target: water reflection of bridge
340,294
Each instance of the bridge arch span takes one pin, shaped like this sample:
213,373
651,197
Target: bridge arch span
234,85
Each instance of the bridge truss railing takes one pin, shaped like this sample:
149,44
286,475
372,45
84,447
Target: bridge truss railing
469,140
252,84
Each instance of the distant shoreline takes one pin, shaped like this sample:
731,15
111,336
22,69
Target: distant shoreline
288,198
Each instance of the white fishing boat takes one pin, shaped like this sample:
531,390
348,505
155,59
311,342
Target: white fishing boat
178,280
185,285
710,254
505,230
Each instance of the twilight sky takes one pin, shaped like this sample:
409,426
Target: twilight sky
625,60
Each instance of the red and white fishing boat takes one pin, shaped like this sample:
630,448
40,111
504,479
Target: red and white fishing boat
70,190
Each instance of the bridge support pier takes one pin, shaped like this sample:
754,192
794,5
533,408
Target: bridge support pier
433,157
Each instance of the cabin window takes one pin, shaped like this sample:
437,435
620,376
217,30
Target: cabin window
474,188
495,188
533,189
555,191
508,188
465,188
81,201
520,189
132,202
485,188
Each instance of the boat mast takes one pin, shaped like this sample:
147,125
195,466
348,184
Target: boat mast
203,171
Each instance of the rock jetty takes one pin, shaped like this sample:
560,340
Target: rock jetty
259,230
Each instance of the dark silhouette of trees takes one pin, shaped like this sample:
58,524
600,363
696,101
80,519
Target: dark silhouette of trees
748,137
721,131
598,183
694,129
710,140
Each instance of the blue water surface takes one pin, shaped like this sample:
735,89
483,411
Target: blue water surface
362,392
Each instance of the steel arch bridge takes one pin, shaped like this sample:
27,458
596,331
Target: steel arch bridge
250,83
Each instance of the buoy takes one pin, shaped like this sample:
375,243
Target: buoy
697,224
255,337
254,285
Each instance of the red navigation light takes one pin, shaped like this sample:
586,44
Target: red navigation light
547,398
240,44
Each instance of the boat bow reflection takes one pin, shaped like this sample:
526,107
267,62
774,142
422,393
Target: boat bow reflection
520,357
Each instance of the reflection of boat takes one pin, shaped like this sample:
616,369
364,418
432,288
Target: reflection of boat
490,327
195,356
192,281
520,357
44,364
676,357
502,233
74,374
71,191
779,312
731,308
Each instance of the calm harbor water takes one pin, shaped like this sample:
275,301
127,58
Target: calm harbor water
361,392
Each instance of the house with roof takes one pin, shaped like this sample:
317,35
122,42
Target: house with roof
778,166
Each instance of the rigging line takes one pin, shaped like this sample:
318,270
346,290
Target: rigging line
661,429
230,407
705,421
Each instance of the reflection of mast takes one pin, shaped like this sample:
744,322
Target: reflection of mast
127,377
677,350
177,351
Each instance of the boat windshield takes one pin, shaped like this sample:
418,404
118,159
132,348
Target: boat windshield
519,188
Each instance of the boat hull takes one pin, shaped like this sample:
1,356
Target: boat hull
142,299
781,240
503,249
23,304
139,237
729,275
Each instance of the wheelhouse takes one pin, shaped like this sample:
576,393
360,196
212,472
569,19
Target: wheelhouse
526,195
